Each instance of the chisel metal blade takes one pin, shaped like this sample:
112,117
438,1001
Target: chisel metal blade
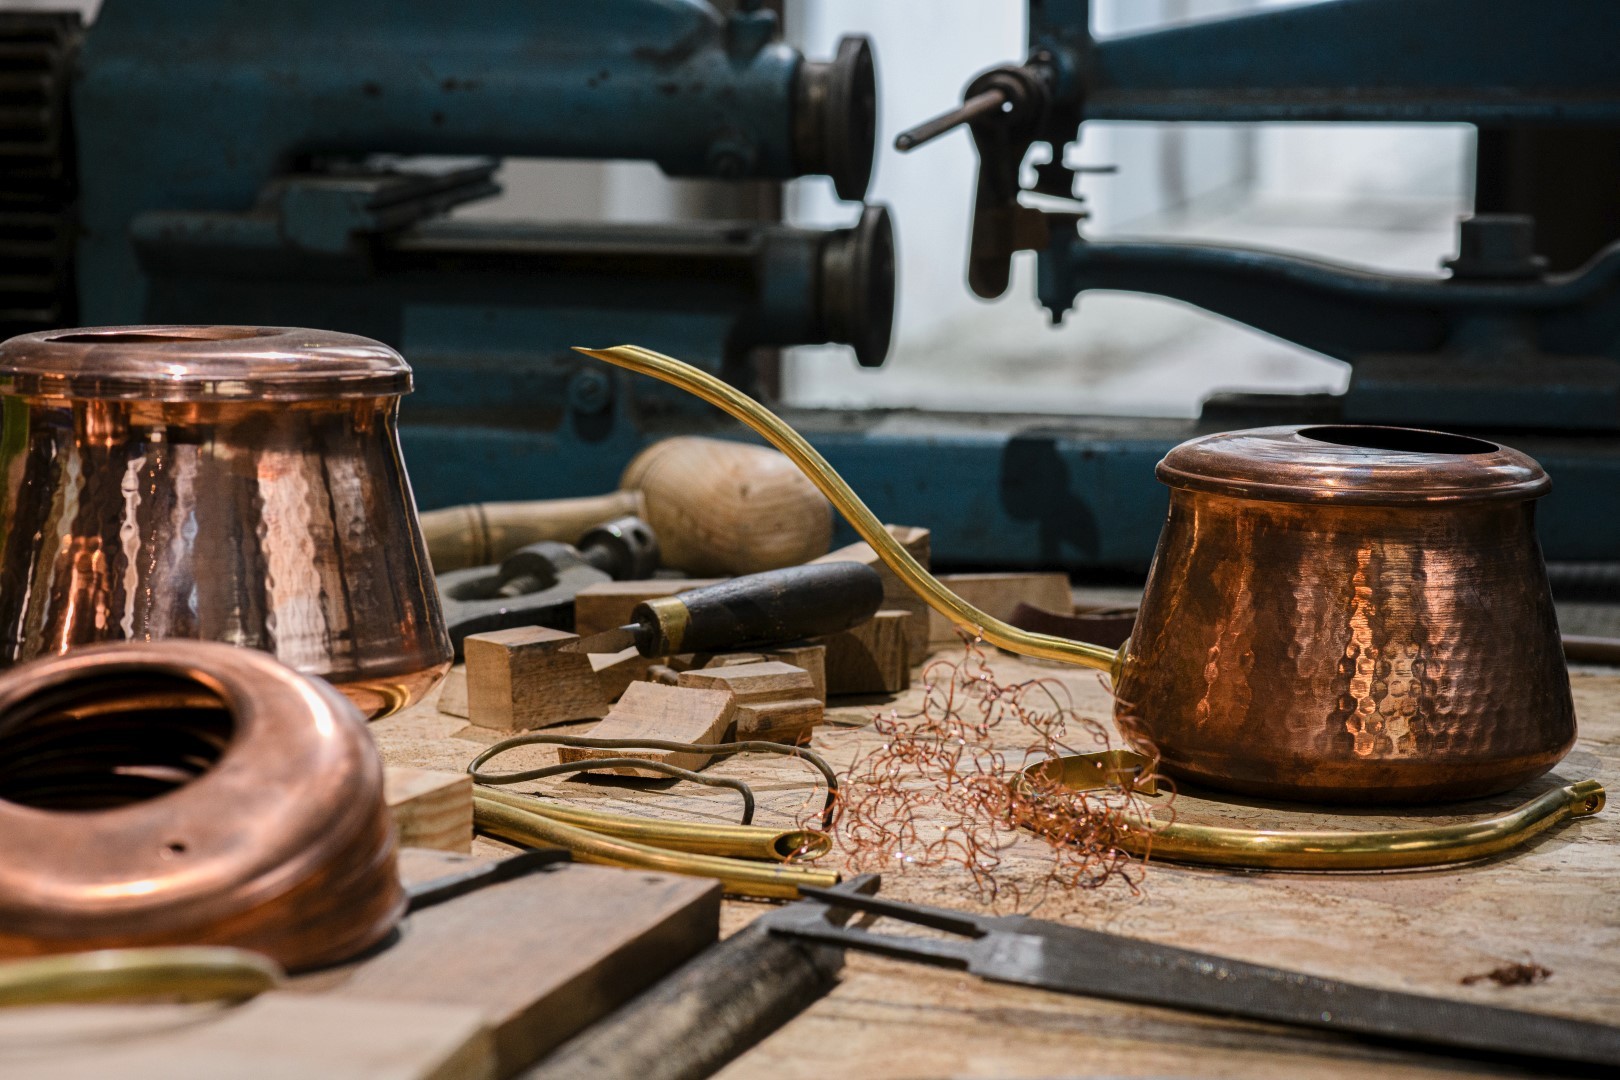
1033,952
608,641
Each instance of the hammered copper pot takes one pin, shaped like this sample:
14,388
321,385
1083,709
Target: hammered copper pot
1349,614
229,483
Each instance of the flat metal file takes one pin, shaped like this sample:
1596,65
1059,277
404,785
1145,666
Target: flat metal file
1034,952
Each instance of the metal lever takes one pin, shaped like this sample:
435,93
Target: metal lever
970,110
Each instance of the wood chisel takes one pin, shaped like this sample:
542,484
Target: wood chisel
771,608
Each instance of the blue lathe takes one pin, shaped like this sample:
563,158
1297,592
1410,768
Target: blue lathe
293,164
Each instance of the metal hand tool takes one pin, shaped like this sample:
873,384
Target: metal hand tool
425,894
756,609
536,584
1033,952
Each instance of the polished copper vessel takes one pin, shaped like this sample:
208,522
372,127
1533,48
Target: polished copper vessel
1349,613
189,793
229,483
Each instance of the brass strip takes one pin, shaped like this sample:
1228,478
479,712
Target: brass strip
738,877
186,972
909,570
699,838
672,618
1277,849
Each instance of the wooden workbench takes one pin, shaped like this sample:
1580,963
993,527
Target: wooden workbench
1555,902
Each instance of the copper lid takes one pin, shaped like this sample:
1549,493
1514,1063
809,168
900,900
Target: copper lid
200,363
1353,464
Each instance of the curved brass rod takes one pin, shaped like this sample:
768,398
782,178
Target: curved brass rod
1278,849
737,876
697,837
920,581
184,972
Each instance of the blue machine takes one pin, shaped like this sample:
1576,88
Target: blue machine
292,163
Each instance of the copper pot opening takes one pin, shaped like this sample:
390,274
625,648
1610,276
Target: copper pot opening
159,335
1398,440
101,745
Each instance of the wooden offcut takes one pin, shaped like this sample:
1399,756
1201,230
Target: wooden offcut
615,672
522,678
541,956
775,701
811,657
667,713
453,692
872,658
896,595
430,809
607,605
997,595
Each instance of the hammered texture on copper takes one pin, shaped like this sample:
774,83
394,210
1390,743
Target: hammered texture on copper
1349,653
286,526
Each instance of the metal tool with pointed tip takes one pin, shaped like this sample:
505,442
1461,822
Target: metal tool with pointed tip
1072,960
771,608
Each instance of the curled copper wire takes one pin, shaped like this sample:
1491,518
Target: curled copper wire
189,793
942,789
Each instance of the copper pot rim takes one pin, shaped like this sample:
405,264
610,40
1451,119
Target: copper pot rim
244,839
1353,464
183,363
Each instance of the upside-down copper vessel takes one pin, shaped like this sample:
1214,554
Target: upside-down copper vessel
230,483
1349,613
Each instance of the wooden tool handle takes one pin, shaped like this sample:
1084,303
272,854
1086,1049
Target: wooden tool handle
479,534
762,609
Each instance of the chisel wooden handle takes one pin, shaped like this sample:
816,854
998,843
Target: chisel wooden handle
479,534
761,609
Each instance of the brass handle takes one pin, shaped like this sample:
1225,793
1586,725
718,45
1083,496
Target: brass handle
1279,849
187,972
739,877
909,570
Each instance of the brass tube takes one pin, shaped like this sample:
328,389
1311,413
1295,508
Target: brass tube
909,570
699,838
185,972
1278,849
738,877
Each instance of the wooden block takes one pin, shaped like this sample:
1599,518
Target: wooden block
453,693
997,595
872,658
732,659
810,657
653,711
767,680
608,605
775,701
521,679
540,957
616,671
430,809
276,1036
896,596
780,721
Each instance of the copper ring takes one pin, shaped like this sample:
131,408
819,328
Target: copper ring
191,793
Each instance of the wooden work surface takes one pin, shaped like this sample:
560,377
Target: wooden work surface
1555,902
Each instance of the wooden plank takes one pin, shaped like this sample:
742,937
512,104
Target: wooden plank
872,658
522,678
669,713
997,595
431,809
896,596
539,957
276,1036
608,605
